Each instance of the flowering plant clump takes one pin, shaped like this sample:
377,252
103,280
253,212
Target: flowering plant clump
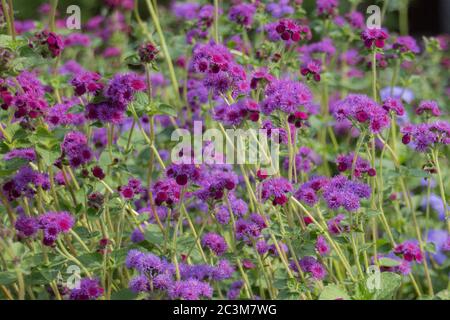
270,149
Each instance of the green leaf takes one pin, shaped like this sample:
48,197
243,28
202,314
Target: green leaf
167,110
388,262
334,292
153,234
7,277
389,284
124,294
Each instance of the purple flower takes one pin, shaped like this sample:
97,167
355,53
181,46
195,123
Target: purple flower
28,100
21,183
362,109
374,36
223,270
215,242
278,188
327,7
133,258
59,114
262,247
182,173
89,289
395,105
54,223
166,191
341,192
139,283
335,225
76,148
410,251
235,290
355,19
242,14
87,82
47,43
236,113
289,31
322,246
345,163
77,39
406,44
215,182
423,136
26,226
27,154
441,241
285,95
186,11
190,289
429,107
310,265
279,8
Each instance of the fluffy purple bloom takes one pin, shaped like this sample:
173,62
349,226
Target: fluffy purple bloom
223,270
119,93
327,7
429,107
278,188
49,44
341,192
335,225
87,82
26,226
406,44
310,265
27,154
279,8
423,136
374,36
236,113
54,223
186,10
60,115
441,241
89,289
21,183
76,149
215,242
355,19
133,258
235,290
28,100
247,229
139,283
410,251
242,14
344,163
285,95
262,247
362,109
166,191
77,39
190,289
395,105
215,183
436,204
322,246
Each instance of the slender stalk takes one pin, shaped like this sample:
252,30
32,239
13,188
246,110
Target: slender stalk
167,57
